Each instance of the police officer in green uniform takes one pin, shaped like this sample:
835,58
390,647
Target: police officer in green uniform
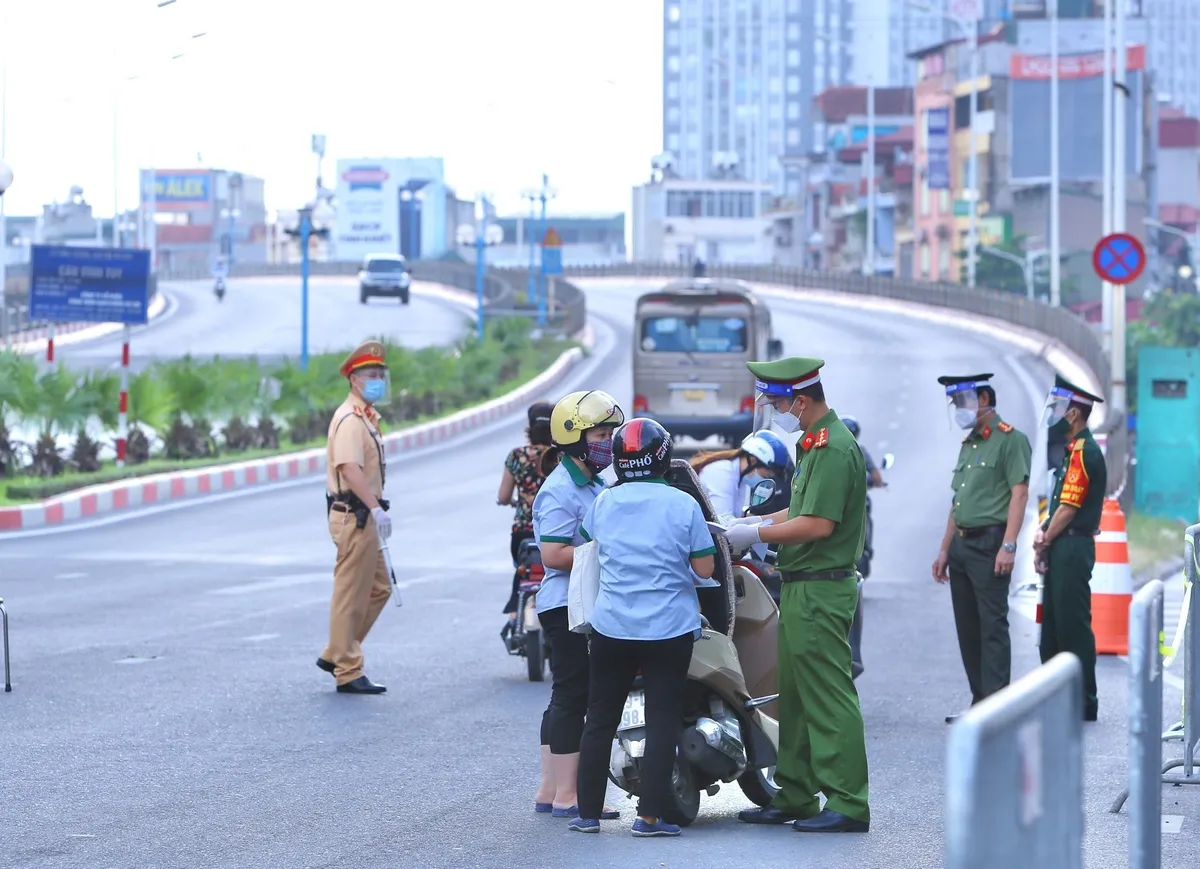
822,743
991,491
1066,543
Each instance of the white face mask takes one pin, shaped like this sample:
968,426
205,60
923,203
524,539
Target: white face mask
965,417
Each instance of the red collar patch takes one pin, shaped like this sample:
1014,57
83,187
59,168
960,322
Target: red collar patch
985,432
1004,427
815,440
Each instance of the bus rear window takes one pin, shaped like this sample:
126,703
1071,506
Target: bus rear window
694,335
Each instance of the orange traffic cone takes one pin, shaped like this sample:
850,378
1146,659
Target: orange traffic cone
1112,583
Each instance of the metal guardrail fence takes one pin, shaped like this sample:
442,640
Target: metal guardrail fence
1014,774
500,297
1057,324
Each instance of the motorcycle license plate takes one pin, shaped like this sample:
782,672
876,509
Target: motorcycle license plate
634,714
694,394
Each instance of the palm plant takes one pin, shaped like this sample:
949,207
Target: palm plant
192,396
238,396
18,397
62,406
101,391
148,409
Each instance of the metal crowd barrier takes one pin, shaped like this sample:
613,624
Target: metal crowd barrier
7,671
1014,775
1190,726
1145,727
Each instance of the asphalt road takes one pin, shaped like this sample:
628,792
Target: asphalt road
167,712
261,317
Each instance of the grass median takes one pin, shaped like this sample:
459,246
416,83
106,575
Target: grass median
187,413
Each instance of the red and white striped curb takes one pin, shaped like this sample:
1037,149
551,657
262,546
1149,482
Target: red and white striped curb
162,488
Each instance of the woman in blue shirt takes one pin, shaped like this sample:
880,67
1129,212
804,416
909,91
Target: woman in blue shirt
581,426
653,544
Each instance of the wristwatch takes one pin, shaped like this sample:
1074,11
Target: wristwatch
1009,547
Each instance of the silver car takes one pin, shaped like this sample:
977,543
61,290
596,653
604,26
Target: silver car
384,274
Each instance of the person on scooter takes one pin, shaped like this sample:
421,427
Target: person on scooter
729,475
653,543
581,428
525,469
874,475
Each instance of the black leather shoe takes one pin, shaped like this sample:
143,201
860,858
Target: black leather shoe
361,685
1091,714
327,666
831,822
768,815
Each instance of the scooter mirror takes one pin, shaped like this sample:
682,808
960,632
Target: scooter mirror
888,460
763,491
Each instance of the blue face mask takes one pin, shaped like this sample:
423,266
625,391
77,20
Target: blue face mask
373,390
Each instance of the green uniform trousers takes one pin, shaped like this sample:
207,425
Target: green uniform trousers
822,740
980,600
1067,609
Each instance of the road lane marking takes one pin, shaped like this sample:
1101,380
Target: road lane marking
276,583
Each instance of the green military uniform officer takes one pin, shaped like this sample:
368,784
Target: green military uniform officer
978,551
822,743
1066,543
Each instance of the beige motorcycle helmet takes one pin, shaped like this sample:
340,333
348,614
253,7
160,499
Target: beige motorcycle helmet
575,414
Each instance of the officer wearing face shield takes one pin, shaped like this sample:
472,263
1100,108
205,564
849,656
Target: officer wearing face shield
822,746
978,551
358,521
1066,542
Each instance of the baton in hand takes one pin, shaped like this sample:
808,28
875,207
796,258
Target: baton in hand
387,559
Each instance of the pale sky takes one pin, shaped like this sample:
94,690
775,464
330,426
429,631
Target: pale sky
503,90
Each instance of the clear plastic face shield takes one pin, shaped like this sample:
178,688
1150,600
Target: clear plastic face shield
774,409
1057,403
962,404
374,384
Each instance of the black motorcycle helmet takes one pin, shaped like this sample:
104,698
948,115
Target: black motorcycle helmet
852,424
641,450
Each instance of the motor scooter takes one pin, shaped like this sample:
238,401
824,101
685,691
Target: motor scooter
727,733
219,289
525,638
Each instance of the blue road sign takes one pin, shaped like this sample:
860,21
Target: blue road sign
552,261
1119,258
89,284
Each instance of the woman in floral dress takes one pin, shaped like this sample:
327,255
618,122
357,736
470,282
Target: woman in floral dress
524,471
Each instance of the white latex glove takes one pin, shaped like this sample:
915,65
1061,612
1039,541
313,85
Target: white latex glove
743,536
744,520
383,522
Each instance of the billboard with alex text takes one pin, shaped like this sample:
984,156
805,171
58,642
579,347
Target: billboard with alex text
180,189
1080,116
368,216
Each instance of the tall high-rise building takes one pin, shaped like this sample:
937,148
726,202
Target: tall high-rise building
739,77
886,32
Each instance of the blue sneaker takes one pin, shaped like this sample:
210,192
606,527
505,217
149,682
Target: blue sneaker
645,829
543,808
572,811
584,825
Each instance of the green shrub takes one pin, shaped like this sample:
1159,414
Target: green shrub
190,411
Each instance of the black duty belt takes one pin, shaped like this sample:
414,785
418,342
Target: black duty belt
1079,532
821,576
978,531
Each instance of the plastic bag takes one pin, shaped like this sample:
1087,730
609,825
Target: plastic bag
584,588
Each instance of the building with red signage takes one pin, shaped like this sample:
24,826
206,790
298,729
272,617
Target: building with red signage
203,216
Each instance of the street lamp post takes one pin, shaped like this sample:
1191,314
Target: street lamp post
1026,264
544,195
531,285
480,236
311,220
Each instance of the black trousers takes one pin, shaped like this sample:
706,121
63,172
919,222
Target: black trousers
614,666
562,722
518,537
980,599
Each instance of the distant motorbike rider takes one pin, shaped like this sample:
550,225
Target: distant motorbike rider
728,475
654,547
874,475
581,427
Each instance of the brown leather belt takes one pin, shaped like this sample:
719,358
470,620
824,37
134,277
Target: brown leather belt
822,576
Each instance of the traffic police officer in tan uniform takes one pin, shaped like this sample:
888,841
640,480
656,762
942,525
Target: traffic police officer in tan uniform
358,521
991,490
